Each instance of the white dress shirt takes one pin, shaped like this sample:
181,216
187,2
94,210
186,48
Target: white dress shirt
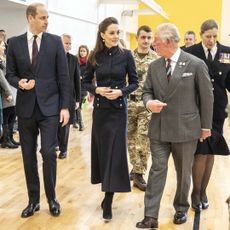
30,38
213,51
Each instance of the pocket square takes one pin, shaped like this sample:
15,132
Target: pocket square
187,74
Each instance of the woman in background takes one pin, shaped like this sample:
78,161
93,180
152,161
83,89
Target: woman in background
83,53
110,64
217,58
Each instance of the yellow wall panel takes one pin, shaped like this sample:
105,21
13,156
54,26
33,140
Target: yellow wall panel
187,15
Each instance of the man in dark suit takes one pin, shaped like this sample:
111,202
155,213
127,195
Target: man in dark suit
74,73
37,67
178,92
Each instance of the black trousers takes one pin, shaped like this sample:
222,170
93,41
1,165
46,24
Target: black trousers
29,129
63,137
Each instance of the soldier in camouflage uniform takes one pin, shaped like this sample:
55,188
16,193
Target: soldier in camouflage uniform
138,117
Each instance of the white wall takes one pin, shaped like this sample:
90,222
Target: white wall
78,18
225,28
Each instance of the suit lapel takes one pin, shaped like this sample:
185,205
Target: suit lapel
161,73
41,52
180,67
24,46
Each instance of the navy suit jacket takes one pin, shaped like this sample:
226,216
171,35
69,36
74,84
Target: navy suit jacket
52,82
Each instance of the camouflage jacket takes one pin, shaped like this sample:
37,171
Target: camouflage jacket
142,68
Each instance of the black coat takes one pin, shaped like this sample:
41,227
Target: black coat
220,77
109,132
74,73
112,67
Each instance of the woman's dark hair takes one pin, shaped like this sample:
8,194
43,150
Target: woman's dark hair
99,42
83,47
208,25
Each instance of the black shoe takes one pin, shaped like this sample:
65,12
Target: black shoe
8,144
30,210
62,155
131,175
180,218
107,210
197,207
54,207
204,205
148,222
139,182
81,126
75,125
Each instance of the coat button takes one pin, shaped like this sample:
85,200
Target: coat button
212,89
116,87
220,73
110,54
97,105
212,80
120,105
97,98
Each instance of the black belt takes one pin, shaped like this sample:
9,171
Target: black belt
134,98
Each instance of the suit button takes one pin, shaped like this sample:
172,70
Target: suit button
97,98
116,87
120,105
212,89
212,80
110,54
220,73
97,105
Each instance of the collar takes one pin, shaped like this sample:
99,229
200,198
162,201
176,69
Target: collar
30,35
213,50
175,56
111,50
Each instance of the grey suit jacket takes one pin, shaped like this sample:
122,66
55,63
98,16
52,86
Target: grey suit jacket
188,95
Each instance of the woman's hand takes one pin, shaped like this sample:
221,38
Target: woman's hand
113,94
103,90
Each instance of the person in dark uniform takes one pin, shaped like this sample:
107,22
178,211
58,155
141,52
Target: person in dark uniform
217,58
110,64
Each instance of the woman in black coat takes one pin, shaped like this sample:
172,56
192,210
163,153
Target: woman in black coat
217,58
111,65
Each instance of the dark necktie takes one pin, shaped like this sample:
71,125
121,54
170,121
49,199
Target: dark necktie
34,52
168,69
209,56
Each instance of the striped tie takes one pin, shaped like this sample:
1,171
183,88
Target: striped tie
168,69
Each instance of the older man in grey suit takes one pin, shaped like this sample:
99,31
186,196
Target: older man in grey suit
178,92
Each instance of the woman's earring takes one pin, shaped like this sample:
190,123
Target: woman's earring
103,40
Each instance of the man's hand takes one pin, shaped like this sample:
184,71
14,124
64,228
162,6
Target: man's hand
204,134
9,98
26,84
64,117
155,106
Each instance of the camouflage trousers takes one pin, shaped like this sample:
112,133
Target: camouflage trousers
138,141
